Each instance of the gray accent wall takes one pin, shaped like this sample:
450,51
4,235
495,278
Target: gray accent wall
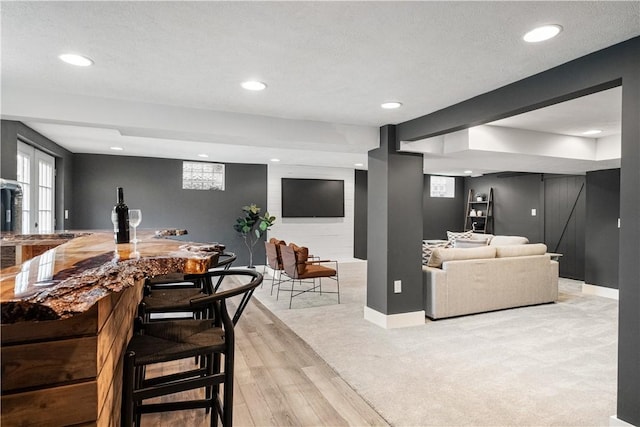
9,150
602,234
514,195
442,214
614,66
155,186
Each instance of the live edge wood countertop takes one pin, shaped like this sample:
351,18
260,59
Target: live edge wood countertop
67,316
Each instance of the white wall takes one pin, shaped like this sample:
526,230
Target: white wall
609,147
522,141
329,238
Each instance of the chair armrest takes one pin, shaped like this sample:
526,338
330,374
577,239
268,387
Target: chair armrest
218,296
225,260
217,301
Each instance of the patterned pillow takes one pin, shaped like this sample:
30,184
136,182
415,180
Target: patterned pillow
452,236
427,250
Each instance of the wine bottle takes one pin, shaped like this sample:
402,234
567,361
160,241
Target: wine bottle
121,216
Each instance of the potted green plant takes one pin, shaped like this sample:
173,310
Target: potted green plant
251,226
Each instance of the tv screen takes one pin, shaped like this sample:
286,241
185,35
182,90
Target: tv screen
312,198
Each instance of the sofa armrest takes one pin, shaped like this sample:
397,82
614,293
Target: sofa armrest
435,291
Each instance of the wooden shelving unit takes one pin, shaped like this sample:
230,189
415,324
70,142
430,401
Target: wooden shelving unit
478,214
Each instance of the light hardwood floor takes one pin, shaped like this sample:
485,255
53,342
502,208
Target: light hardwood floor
279,381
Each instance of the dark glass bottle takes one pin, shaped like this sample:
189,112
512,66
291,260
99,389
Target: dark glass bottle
121,226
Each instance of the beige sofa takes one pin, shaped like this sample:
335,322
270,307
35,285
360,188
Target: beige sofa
460,281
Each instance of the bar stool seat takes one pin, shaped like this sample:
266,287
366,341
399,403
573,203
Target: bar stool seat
172,340
170,300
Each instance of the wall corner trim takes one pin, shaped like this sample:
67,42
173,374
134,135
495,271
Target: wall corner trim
617,422
392,321
600,291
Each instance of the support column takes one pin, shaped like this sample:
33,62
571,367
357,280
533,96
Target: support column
394,235
629,272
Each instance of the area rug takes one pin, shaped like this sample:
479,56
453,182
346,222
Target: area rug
545,365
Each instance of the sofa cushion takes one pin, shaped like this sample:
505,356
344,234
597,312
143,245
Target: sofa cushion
470,243
453,235
428,247
440,255
520,250
508,240
482,236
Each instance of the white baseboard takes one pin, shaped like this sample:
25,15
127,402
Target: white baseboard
391,321
617,422
600,291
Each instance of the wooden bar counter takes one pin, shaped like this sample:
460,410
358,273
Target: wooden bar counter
67,316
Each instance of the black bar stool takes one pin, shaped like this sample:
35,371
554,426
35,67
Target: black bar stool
173,293
205,339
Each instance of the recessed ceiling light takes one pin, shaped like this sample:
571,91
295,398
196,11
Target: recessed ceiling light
358,164
543,33
203,155
116,148
391,105
592,132
253,85
275,160
468,172
78,60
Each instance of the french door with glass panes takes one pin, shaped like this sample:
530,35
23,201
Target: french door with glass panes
36,175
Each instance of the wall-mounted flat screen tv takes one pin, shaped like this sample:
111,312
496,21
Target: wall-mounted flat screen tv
312,198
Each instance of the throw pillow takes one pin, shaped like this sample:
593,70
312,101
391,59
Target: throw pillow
508,240
302,254
482,236
427,249
453,235
470,243
441,255
520,250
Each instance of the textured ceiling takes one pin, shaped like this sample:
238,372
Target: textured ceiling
330,62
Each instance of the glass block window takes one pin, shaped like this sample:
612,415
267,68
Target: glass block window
443,186
202,176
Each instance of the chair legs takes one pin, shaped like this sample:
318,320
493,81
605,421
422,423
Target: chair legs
136,389
207,341
227,413
314,288
274,281
128,412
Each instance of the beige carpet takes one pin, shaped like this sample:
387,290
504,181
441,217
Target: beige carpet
547,365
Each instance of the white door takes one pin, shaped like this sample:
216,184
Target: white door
36,174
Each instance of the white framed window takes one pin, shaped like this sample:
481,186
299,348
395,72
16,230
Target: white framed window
443,186
202,176
46,179
36,175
